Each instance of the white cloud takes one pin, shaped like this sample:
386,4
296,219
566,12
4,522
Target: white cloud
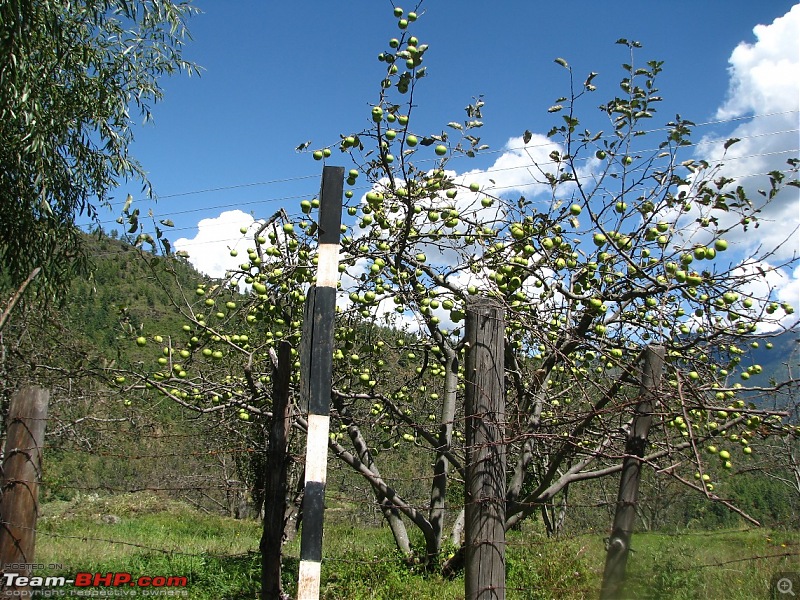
209,250
764,93
764,75
764,85
515,170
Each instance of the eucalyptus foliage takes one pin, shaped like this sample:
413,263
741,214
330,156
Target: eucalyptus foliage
70,75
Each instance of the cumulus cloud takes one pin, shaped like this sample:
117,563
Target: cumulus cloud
763,94
764,75
764,91
209,249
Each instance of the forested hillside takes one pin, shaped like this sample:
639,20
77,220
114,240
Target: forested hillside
103,436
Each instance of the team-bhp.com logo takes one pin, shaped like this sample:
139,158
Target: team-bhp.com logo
144,585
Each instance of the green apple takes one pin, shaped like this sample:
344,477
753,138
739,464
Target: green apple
474,187
141,341
720,245
288,228
575,209
441,150
730,297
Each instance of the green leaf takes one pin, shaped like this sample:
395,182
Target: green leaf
730,142
562,62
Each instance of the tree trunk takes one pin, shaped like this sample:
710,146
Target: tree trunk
389,511
275,478
620,539
442,465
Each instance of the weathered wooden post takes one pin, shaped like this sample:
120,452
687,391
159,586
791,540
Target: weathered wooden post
22,472
275,477
486,456
315,378
625,514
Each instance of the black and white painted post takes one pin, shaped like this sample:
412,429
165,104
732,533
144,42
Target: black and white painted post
316,365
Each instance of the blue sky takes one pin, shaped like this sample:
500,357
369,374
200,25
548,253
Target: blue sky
276,76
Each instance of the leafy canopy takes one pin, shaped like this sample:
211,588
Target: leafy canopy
69,74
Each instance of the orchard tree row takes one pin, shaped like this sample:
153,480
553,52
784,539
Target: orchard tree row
625,245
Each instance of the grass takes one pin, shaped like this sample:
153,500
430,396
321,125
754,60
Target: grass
219,556
730,564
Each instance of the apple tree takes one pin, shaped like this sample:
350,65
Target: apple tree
623,244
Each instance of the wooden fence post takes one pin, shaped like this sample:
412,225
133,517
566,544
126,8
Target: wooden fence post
275,476
316,365
22,471
625,514
485,487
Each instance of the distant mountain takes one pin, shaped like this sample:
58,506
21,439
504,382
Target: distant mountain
778,363
784,355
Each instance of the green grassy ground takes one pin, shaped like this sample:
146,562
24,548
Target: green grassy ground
219,557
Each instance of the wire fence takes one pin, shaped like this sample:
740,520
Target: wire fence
351,506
